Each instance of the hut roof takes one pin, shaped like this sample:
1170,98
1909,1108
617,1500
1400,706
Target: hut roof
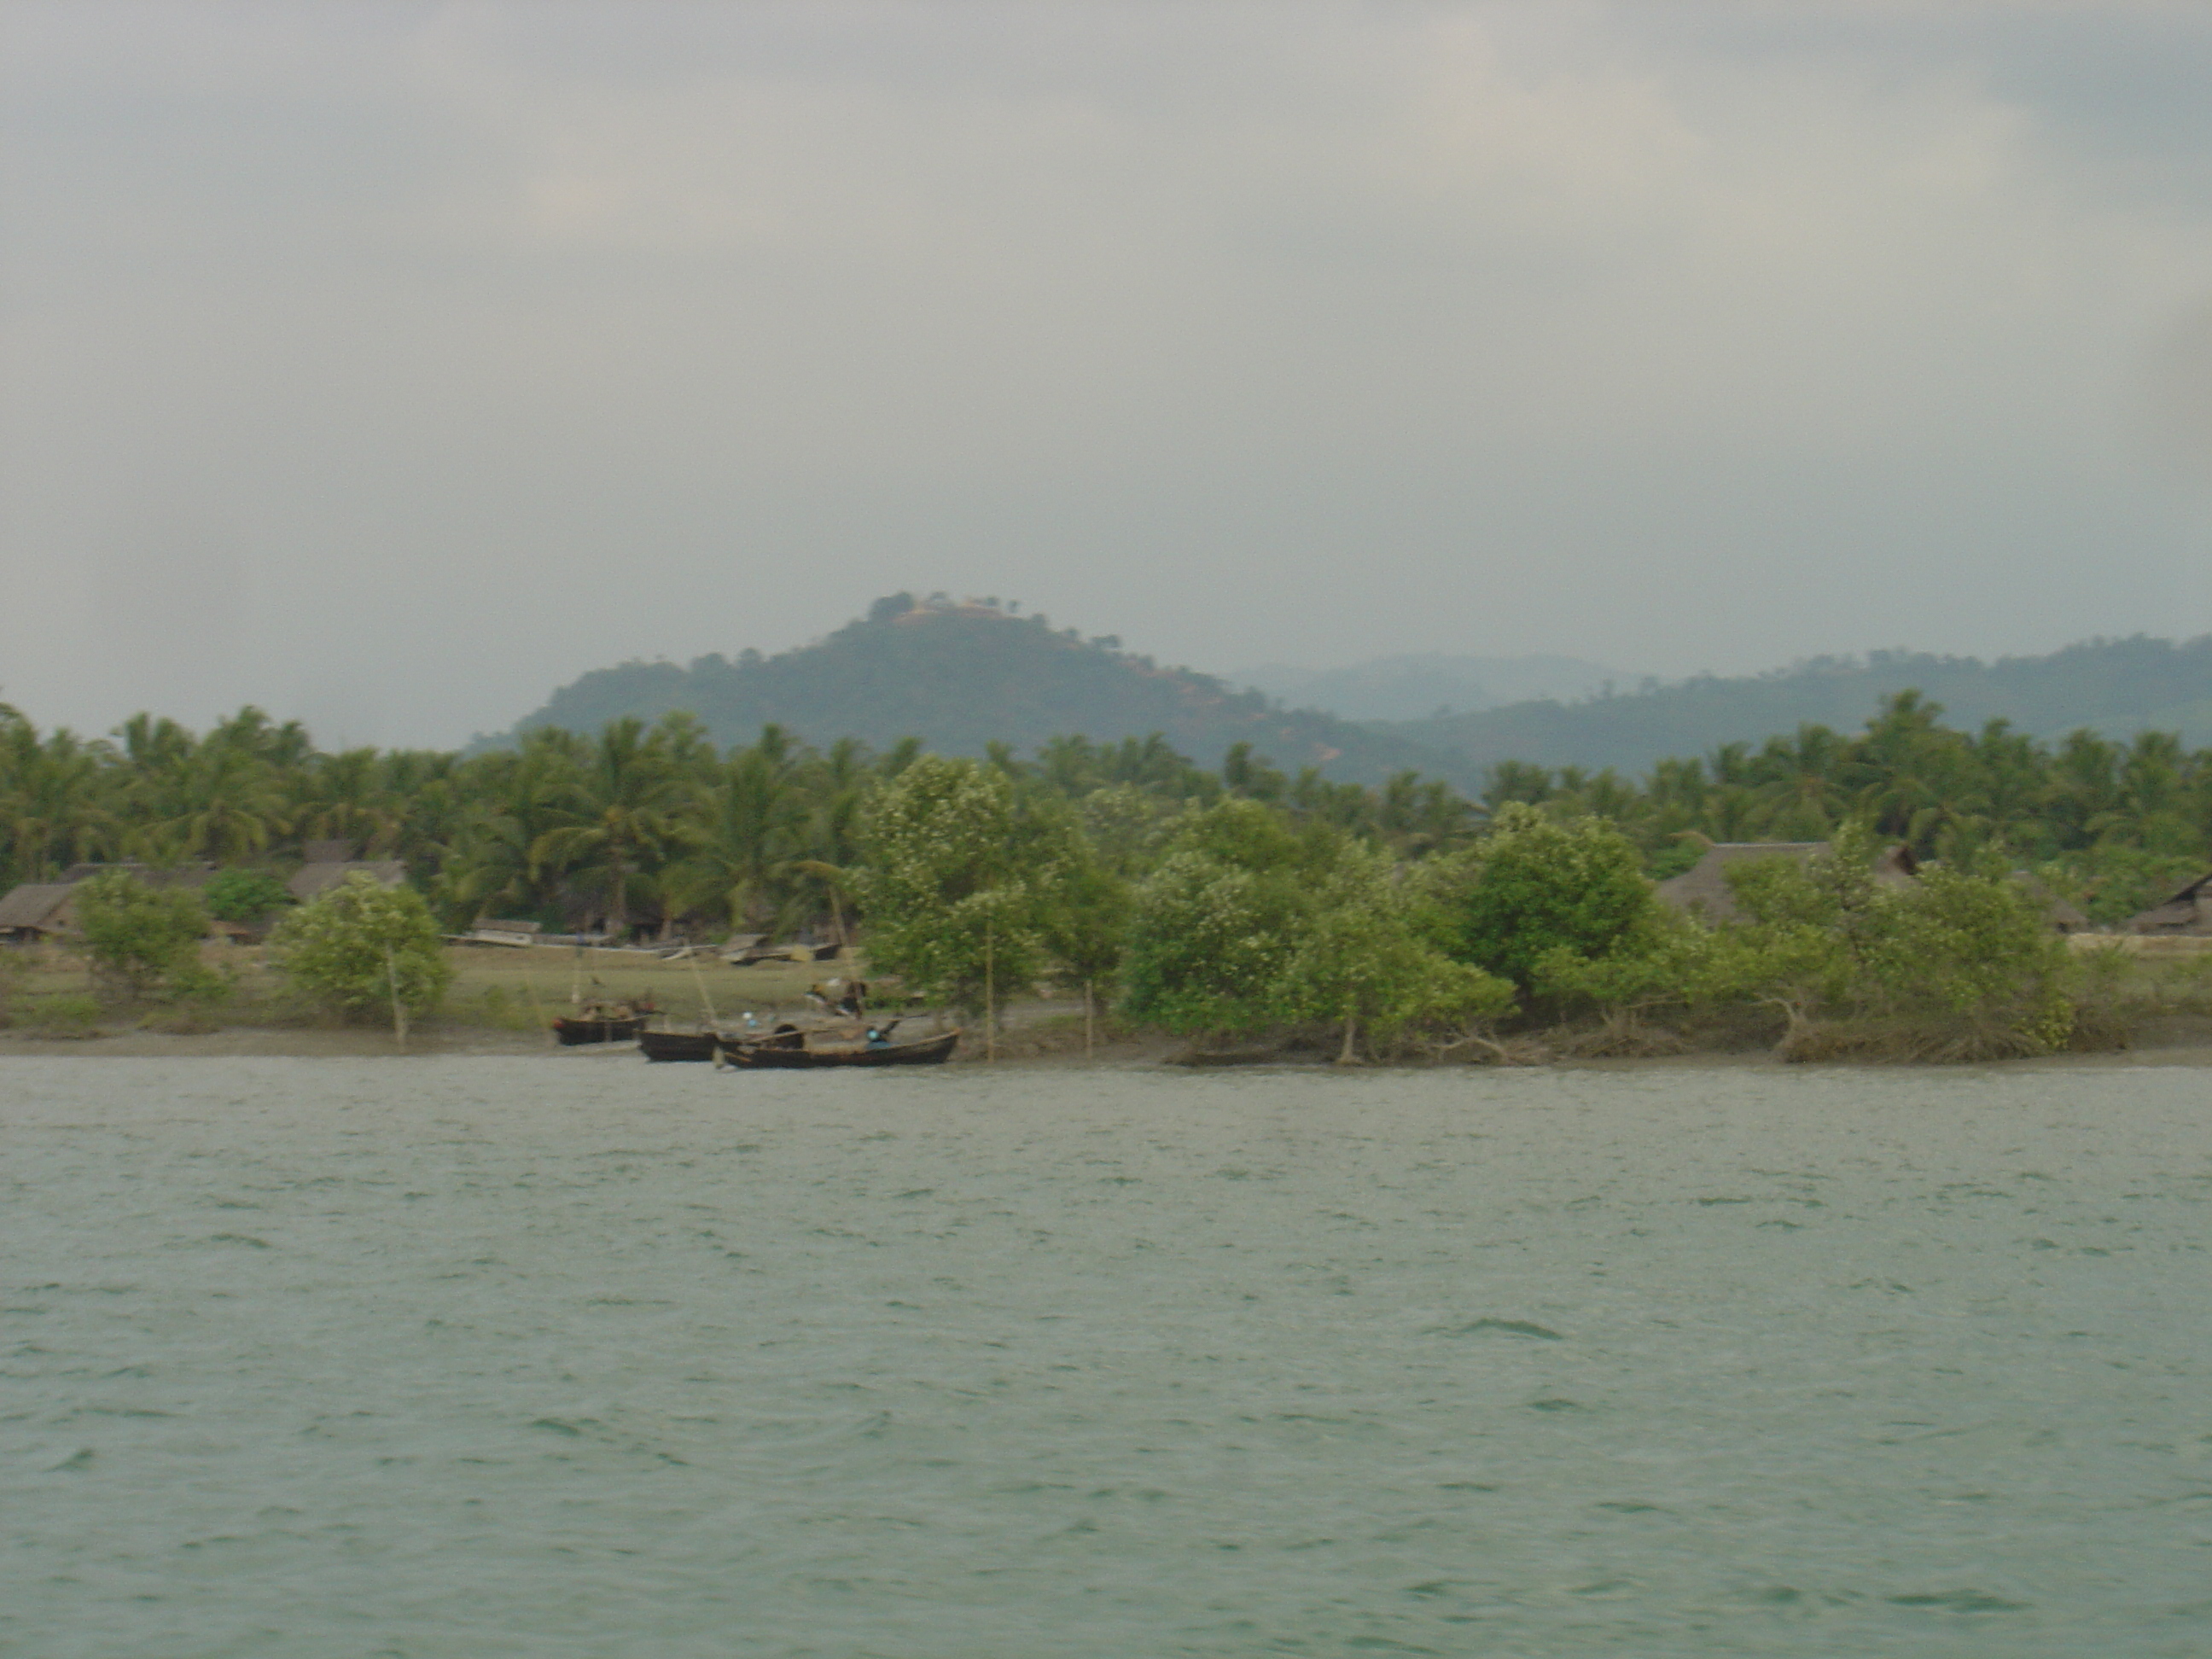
2183,912
314,879
2189,895
33,905
1703,886
182,875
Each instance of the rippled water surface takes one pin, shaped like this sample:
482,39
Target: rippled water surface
577,1355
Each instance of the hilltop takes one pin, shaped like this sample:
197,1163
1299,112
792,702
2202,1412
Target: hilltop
2114,687
962,676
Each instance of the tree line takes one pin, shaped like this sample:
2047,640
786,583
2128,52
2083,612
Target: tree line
653,826
1217,901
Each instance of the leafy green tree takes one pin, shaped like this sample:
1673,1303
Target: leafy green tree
244,896
1674,963
954,882
1979,949
1082,921
1128,828
140,938
1363,960
1532,886
1965,958
1208,944
1215,927
359,948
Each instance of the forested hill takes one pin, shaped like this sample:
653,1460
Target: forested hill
960,677
2115,687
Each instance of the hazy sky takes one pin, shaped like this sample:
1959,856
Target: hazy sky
388,365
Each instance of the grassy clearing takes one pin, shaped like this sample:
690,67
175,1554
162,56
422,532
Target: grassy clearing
522,989
48,992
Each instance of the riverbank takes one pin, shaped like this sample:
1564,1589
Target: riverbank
502,1002
2168,1041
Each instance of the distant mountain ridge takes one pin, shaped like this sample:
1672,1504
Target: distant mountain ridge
962,676
1407,688
2114,687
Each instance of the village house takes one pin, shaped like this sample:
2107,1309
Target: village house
47,909
37,910
330,862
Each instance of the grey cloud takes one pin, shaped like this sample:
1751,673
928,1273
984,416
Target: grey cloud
499,341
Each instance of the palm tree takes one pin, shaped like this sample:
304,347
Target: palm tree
1516,781
2007,778
620,815
746,832
1803,797
1419,818
485,861
227,803
343,798
54,806
1909,770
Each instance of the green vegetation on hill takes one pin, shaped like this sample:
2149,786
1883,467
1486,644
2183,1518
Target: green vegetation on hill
960,678
963,677
2116,688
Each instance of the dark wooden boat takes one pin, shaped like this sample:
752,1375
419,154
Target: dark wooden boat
756,1057
572,1032
700,1045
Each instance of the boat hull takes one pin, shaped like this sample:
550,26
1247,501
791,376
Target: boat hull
700,1045
930,1051
575,1033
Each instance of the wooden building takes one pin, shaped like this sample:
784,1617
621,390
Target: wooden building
47,909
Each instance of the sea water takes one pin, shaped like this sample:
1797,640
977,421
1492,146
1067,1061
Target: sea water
579,1356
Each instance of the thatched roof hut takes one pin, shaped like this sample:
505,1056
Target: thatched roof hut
2189,912
315,879
47,909
1704,891
37,910
177,875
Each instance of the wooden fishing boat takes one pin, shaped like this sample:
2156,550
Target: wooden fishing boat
756,1057
619,1029
700,1045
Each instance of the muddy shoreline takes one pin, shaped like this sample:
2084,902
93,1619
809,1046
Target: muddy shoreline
2168,1041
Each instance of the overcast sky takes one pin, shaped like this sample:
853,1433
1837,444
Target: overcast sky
388,365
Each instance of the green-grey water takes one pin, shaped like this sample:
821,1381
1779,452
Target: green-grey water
577,1356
